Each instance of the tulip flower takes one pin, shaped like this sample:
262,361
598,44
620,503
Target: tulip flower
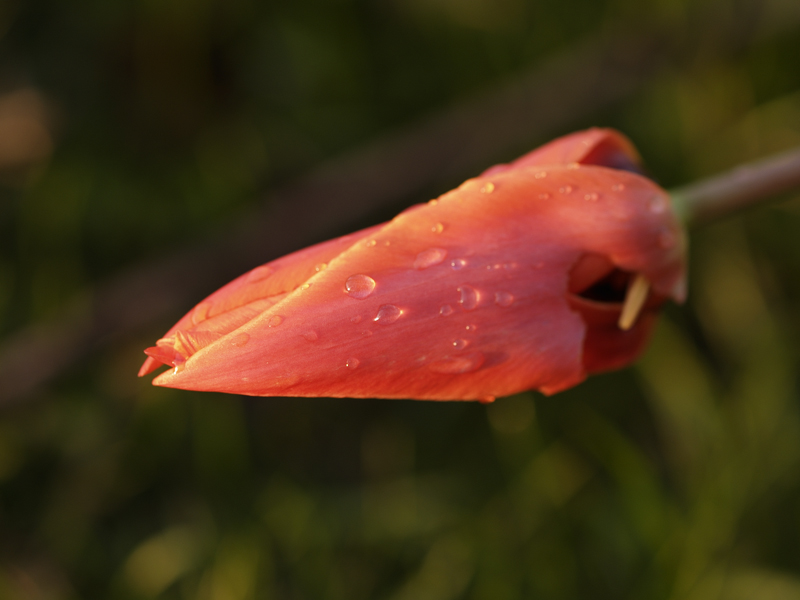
530,276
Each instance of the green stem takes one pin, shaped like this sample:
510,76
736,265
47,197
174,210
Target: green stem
717,196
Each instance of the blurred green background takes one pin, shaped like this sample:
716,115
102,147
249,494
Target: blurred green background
138,134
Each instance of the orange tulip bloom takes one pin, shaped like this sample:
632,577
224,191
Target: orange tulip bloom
529,276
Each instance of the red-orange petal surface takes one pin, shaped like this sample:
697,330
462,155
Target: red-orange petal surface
466,297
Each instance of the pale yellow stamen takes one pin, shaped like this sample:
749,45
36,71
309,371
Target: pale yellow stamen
635,297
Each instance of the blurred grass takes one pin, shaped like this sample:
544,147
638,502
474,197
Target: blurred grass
138,127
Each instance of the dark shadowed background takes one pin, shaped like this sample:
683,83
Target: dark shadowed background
152,150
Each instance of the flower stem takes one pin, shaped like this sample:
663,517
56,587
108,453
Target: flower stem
755,182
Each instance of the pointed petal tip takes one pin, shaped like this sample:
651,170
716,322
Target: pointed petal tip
149,365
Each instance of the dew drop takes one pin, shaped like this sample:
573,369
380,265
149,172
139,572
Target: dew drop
471,328
259,274
658,204
274,321
446,310
359,286
356,319
366,333
541,175
458,263
352,363
618,187
565,189
459,364
388,313
592,197
544,196
460,344
305,286
429,258
311,336
503,298
488,188
469,297
370,243
179,365
240,340
200,312
321,267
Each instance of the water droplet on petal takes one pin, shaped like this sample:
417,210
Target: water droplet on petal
471,328
352,363
503,298
240,339
446,310
541,175
592,197
274,321
311,336
488,188
370,243
388,313
429,258
438,228
200,312
468,297
458,263
305,286
356,319
359,286
544,196
259,274
460,344
321,267
366,333
454,365
618,187
565,189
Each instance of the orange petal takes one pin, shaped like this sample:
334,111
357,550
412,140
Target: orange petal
465,298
